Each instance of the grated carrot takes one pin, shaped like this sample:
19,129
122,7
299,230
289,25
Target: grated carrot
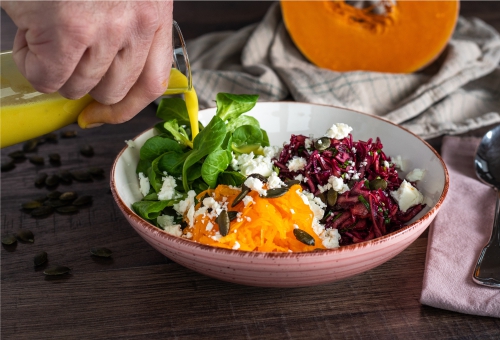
266,224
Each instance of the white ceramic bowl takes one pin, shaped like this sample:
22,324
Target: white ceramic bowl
294,269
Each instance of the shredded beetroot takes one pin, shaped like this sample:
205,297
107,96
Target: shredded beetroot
361,213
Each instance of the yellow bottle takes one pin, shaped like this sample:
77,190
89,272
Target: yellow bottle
26,113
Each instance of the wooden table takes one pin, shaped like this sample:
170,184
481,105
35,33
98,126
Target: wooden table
140,294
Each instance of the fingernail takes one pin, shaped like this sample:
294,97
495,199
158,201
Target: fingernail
93,125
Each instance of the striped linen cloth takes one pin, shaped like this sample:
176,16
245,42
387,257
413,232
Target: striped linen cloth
458,93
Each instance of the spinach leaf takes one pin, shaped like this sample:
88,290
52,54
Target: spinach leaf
247,135
265,138
150,210
172,162
151,197
157,145
142,166
180,135
154,176
194,172
233,178
215,163
242,120
207,141
199,185
231,106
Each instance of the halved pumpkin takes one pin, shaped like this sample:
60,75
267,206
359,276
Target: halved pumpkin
395,37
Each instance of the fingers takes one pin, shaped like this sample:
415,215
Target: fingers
152,83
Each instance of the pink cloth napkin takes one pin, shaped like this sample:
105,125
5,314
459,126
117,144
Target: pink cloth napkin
460,230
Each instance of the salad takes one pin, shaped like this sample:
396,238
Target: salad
229,188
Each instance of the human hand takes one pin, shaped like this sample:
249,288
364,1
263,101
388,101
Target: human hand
118,52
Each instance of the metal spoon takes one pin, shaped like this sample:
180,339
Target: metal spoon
487,164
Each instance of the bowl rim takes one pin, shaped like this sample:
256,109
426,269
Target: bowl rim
352,247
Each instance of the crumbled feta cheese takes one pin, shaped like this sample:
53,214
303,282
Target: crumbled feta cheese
386,164
131,143
415,175
296,163
247,200
407,196
330,238
292,211
144,184
236,245
353,149
256,184
247,164
167,190
190,215
337,184
271,151
188,235
356,176
216,237
308,143
184,205
274,181
338,131
165,221
299,177
248,219
209,226
323,188
174,230
399,162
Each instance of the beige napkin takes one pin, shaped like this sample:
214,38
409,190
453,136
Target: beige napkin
460,230
459,95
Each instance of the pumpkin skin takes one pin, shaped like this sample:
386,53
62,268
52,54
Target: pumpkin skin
339,37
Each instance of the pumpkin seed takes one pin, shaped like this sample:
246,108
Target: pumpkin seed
30,146
292,182
65,177
259,176
26,235
54,195
322,197
303,237
244,191
232,215
56,203
31,205
68,209
9,239
40,179
42,211
81,176
41,199
87,150
82,200
37,160
17,155
96,172
7,166
51,137
52,181
68,196
378,183
276,192
331,197
40,258
101,252
56,270
322,143
54,158
68,134
223,222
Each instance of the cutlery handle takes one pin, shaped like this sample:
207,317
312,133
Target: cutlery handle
487,271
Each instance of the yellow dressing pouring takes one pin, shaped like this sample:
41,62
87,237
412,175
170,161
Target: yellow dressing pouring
26,113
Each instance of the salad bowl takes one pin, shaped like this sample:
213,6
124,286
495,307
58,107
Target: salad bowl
280,120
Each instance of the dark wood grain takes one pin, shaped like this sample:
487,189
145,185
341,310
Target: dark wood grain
139,294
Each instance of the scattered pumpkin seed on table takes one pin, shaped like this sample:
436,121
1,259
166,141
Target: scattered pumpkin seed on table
65,177
68,209
69,134
40,258
56,270
101,252
7,166
83,200
30,145
68,196
42,211
37,160
40,179
9,239
52,181
81,176
31,205
54,158
25,235
87,150
17,155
